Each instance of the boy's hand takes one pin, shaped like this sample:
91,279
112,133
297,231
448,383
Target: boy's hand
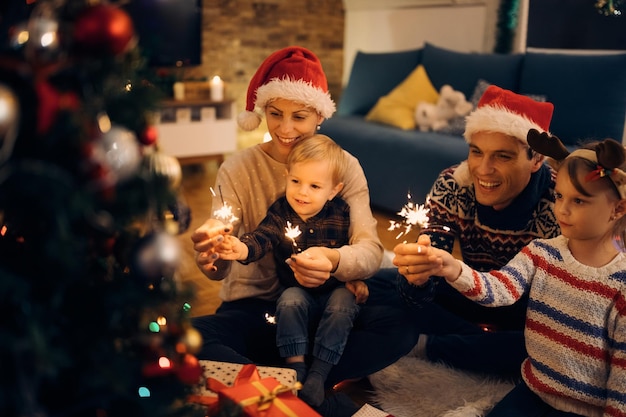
360,290
232,249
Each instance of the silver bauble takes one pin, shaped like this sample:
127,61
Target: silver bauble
167,166
119,149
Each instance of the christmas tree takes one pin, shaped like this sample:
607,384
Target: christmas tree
94,318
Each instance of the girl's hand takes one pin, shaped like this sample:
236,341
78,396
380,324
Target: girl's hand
360,290
311,268
205,240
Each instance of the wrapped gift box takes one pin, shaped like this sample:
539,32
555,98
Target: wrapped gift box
227,372
265,398
249,390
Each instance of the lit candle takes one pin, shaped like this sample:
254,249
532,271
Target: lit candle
217,89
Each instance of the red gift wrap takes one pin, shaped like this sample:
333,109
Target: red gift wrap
257,397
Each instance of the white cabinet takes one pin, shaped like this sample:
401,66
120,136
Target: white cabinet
197,129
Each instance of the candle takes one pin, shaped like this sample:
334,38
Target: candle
179,90
217,89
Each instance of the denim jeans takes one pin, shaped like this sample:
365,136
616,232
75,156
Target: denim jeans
383,332
522,402
332,313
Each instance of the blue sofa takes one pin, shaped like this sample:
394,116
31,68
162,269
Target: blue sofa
588,92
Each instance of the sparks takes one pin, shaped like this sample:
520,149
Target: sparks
292,233
225,213
413,214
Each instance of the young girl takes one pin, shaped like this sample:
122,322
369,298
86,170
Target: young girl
576,319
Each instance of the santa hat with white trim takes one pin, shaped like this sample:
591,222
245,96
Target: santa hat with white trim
504,111
292,73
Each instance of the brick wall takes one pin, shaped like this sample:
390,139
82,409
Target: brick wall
239,34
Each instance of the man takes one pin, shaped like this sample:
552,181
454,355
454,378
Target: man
493,204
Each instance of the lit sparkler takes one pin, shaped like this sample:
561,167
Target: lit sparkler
413,214
292,233
225,213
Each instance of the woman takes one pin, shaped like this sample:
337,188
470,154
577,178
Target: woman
290,88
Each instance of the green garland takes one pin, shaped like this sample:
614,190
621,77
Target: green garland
506,25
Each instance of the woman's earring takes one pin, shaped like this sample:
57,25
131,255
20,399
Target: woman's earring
319,127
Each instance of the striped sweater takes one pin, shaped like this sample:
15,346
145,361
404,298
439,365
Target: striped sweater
575,324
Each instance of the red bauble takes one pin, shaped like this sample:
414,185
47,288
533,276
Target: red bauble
104,28
189,371
149,135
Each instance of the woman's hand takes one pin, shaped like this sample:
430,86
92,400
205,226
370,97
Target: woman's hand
417,262
360,290
205,240
312,267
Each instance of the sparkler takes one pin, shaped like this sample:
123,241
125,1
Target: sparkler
292,233
225,213
413,214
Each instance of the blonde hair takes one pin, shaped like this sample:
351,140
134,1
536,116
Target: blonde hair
320,148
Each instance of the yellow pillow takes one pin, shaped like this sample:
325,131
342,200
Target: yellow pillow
398,107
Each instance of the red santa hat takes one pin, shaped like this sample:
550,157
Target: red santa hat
293,73
504,111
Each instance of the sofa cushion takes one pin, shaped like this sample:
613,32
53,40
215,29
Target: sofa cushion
372,76
462,70
398,107
588,93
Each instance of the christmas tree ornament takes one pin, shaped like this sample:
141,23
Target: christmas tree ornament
191,341
189,370
9,121
157,256
104,28
167,166
178,217
119,148
149,135
42,42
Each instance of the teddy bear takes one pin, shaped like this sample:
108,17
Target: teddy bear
451,103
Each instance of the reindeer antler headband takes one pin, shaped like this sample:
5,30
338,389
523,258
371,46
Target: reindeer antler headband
608,156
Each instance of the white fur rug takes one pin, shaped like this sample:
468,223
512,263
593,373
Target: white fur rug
414,387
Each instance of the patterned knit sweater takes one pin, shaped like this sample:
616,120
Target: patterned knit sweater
488,239
575,325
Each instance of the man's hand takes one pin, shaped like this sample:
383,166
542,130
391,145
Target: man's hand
419,261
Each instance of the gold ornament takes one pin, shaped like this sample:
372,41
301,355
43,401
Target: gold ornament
192,340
